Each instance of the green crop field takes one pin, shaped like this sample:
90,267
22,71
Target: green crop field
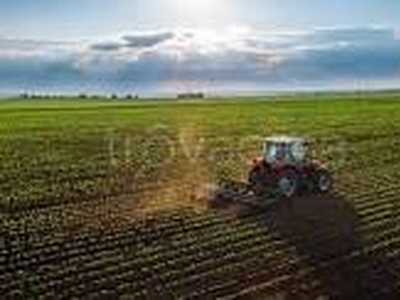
100,199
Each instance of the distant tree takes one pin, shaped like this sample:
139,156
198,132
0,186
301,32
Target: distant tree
191,96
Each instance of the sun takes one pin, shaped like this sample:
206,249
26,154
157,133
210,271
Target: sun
193,8
201,10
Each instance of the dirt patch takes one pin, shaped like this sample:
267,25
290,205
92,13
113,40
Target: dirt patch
186,183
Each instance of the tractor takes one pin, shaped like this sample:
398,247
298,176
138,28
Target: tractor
286,168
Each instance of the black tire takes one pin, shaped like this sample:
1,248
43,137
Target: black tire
257,181
288,183
323,181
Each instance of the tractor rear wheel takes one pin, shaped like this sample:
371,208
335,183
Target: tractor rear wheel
288,183
323,181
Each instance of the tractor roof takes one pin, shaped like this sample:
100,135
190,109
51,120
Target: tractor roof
285,139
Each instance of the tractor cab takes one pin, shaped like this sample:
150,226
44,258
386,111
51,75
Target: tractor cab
286,150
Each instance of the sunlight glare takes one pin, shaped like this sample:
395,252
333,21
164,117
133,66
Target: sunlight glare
201,11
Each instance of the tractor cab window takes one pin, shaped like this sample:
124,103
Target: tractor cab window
299,151
269,151
275,151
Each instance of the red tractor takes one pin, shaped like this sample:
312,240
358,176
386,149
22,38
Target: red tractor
286,167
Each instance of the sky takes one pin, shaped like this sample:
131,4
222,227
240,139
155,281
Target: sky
217,46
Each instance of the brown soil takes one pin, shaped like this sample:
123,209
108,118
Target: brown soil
185,184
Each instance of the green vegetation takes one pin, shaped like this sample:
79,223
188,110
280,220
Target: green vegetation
102,198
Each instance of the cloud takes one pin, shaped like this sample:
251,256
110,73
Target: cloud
136,41
372,34
17,48
106,46
147,39
223,58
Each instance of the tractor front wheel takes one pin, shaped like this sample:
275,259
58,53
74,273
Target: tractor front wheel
288,183
323,181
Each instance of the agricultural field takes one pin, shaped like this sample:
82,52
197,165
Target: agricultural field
106,199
